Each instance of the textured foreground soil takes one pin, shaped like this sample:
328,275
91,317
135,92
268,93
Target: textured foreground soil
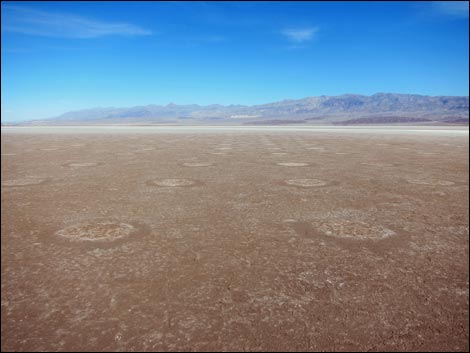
234,241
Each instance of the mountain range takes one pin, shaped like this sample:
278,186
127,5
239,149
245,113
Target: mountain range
348,109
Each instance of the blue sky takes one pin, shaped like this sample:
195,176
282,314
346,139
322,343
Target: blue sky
62,56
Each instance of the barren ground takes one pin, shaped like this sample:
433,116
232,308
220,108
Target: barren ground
234,241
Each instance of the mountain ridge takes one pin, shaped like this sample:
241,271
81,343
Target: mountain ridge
348,108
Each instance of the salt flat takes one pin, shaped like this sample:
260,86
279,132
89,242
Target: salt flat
229,238
425,130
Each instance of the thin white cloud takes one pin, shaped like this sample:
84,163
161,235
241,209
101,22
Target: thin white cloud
40,23
299,35
451,8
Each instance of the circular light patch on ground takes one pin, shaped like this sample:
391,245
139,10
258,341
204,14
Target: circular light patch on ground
97,231
197,164
355,230
433,182
22,182
8,154
145,149
49,149
172,182
279,153
289,220
377,164
306,183
80,165
292,164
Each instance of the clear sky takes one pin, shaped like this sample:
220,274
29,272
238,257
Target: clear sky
62,56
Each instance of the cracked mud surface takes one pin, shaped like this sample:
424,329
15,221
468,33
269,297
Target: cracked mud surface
98,258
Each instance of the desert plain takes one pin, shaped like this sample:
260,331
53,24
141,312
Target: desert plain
255,239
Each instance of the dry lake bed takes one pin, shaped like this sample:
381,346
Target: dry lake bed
245,239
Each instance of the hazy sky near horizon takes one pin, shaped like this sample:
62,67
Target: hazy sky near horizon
62,56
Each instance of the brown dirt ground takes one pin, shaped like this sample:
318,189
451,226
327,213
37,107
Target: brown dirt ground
373,258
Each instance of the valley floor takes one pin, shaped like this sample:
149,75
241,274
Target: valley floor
234,239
